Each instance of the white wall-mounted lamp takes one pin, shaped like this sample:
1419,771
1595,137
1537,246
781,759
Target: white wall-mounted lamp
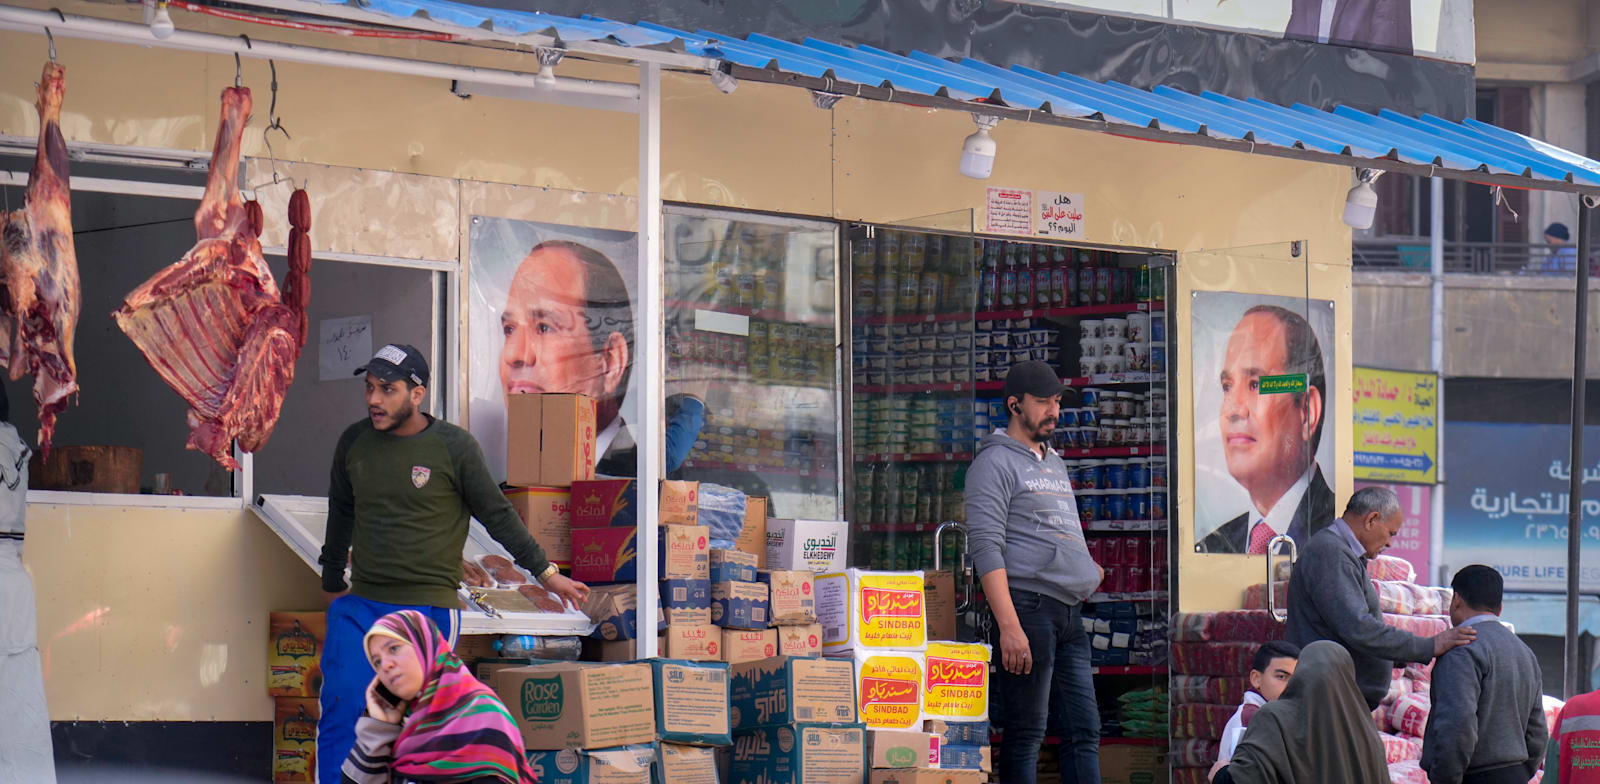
1361,203
977,151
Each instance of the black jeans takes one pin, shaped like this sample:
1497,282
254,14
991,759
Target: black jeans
1509,773
1060,675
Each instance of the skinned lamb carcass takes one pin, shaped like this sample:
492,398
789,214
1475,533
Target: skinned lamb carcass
214,325
40,266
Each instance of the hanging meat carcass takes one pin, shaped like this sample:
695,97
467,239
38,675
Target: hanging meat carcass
214,325
41,295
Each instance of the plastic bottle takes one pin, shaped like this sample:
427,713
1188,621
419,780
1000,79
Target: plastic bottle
1042,290
1008,279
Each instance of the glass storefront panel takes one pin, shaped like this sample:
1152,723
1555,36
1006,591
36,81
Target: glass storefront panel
751,330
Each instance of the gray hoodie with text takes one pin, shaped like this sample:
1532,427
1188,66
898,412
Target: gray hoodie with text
1021,517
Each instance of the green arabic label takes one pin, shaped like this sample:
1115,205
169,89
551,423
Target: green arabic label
1277,385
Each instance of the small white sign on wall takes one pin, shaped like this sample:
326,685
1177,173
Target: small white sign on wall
343,345
1060,215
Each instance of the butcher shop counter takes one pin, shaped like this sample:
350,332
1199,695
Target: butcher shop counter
302,523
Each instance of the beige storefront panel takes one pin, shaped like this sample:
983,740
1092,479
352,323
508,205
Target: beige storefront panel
148,614
158,614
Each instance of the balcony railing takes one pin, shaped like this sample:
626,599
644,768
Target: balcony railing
1472,258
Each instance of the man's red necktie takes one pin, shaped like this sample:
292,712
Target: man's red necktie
1260,536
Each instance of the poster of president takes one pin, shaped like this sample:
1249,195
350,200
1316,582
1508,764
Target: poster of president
552,308
1263,370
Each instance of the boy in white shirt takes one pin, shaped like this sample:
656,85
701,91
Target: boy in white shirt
1269,675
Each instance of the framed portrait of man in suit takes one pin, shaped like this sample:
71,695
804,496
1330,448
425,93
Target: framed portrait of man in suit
1263,371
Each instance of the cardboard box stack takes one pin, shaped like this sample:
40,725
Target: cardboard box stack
876,619
605,555
583,722
294,681
794,720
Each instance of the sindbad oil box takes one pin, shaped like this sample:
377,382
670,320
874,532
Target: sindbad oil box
889,689
294,653
294,739
871,611
956,685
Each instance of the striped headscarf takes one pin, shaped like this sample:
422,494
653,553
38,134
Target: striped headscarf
456,729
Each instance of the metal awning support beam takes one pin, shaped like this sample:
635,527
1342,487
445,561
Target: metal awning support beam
531,85
1580,377
637,54
887,95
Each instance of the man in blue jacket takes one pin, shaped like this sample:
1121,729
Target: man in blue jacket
1027,546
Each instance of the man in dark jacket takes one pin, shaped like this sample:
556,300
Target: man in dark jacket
1331,597
1487,722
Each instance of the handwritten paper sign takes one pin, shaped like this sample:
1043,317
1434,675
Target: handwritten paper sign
344,344
1060,215
1009,211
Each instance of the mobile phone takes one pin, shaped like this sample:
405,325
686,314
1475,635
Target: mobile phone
388,697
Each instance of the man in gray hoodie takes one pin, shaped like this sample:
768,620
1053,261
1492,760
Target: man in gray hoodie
1028,548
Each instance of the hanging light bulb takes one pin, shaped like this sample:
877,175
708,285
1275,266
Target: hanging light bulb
977,150
161,23
1361,203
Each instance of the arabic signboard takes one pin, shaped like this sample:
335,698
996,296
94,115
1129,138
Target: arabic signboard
1008,211
1416,531
1396,436
1060,215
1506,502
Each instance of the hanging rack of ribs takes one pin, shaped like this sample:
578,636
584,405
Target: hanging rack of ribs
40,299
213,324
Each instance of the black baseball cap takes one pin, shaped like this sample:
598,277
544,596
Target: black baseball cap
397,362
1035,378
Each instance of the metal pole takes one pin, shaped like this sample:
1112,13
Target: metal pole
1580,353
651,357
1436,364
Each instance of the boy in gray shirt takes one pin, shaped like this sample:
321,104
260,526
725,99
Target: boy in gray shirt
1487,722
1028,548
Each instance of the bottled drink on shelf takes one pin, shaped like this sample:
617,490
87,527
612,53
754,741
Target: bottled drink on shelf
1141,285
1008,279
933,276
1060,274
913,251
864,272
1086,270
888,273
1043,295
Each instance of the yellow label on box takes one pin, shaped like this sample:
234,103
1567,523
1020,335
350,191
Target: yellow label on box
891,690
891,611
956,685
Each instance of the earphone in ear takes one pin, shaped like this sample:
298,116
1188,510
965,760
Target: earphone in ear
1016,409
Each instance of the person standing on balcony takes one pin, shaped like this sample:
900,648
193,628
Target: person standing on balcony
1562,258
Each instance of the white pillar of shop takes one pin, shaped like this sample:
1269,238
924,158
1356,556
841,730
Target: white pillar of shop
650,359
1436,364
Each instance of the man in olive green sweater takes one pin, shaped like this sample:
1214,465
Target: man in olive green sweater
402,490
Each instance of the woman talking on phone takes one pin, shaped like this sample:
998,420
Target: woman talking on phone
427,718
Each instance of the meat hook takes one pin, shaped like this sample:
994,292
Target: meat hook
52,39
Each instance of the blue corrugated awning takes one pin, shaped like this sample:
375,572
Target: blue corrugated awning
1386,140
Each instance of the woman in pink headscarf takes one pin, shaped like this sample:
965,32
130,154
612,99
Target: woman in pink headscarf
427,718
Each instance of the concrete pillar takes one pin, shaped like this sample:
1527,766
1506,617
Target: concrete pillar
1558,118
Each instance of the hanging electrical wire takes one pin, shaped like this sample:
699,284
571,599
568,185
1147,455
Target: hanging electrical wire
354,32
